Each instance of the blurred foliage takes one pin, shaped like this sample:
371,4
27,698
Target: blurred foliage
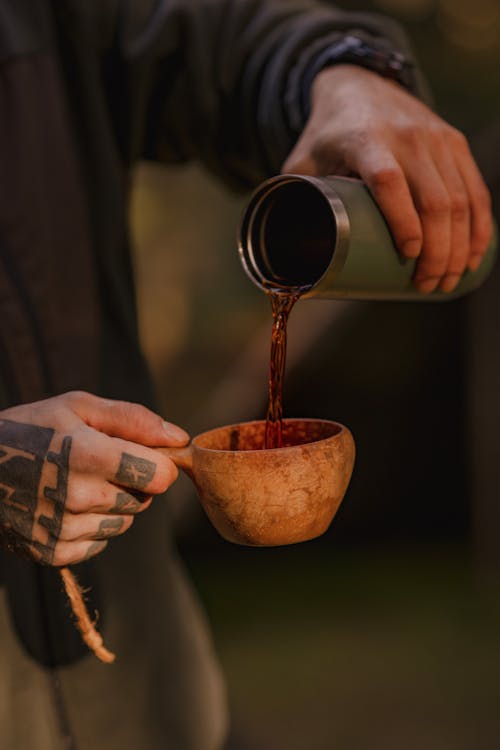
378,650
458,48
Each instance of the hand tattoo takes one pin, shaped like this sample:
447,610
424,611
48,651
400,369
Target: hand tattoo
58,495
129,502
134,471
109,527
93,549
24,450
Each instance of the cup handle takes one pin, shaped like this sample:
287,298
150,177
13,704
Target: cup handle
182,457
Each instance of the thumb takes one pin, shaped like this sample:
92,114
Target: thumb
126,420
299,161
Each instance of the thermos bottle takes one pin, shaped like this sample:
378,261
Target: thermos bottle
327,237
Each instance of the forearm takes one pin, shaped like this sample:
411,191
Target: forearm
217,80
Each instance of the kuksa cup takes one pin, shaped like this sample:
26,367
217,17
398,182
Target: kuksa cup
259,497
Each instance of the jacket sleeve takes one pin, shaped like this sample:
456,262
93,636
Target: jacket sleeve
213,80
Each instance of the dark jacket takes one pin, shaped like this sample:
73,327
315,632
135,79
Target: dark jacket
88,87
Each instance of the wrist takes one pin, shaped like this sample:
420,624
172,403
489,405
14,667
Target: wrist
344,80
353,53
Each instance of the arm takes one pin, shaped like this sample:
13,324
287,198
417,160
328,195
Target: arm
74,471
223,80
418,168
211,79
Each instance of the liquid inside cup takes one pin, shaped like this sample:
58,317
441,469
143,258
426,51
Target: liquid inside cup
250,436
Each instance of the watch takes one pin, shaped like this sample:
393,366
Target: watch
354,50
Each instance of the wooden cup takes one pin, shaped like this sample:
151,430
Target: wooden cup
270,497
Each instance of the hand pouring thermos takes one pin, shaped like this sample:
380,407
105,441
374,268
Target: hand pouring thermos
328,237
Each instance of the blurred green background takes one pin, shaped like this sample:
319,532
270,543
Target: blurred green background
385,632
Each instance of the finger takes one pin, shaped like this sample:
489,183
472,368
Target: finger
129,503
126,420
93,526
40,545
300,163
71,553
481,221
120,462
300,160
433,204
389,187
93,495
460,219
316,154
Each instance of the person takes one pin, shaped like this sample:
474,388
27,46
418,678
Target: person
248,88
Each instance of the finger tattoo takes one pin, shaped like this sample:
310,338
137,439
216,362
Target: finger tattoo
135,471
109,527
126,503
92,549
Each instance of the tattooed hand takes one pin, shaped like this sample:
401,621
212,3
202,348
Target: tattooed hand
74,470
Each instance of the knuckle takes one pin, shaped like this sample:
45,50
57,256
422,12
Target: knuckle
365,134
81,498
459,205
67,531
410,135
458,139
411,236
306,164
166,476
77,398
385,177
63,555
410,245
438,132
74,503
136,417
139,415
90,453
433,264
436,205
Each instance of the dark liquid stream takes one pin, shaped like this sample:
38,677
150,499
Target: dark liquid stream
281,305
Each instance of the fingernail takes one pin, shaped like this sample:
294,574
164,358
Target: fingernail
449,282
175,433
427,285
474,262
411,249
